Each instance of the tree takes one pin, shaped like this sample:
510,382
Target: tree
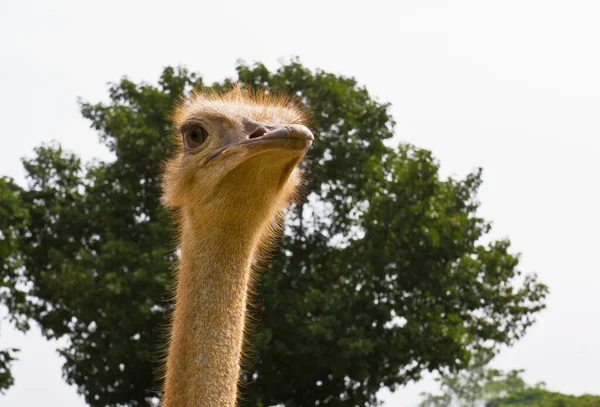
6,378
474,385
539,397
378,277
13,216
480,385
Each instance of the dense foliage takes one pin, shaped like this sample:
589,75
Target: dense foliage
379,275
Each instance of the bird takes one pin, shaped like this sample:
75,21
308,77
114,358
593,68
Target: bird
234,172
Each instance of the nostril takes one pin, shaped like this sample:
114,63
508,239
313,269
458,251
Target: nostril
259,131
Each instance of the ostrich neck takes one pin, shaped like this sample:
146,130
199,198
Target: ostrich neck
208,322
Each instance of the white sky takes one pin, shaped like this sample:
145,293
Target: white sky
511,86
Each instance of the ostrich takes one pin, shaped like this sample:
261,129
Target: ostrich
234,172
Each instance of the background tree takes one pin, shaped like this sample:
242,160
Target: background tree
6,377
13,216
474,385
480,385
379,275
539,397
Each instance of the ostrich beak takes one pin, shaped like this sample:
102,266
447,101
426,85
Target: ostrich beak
291,138
288,137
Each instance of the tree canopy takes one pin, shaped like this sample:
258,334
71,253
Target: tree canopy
380,273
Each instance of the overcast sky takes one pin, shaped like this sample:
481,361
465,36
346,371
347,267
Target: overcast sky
510,86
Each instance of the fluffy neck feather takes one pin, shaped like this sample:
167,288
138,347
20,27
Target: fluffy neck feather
208,322
209,318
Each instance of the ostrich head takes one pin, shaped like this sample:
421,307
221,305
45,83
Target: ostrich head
237,157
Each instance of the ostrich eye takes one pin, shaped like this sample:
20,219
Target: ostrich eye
194,136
